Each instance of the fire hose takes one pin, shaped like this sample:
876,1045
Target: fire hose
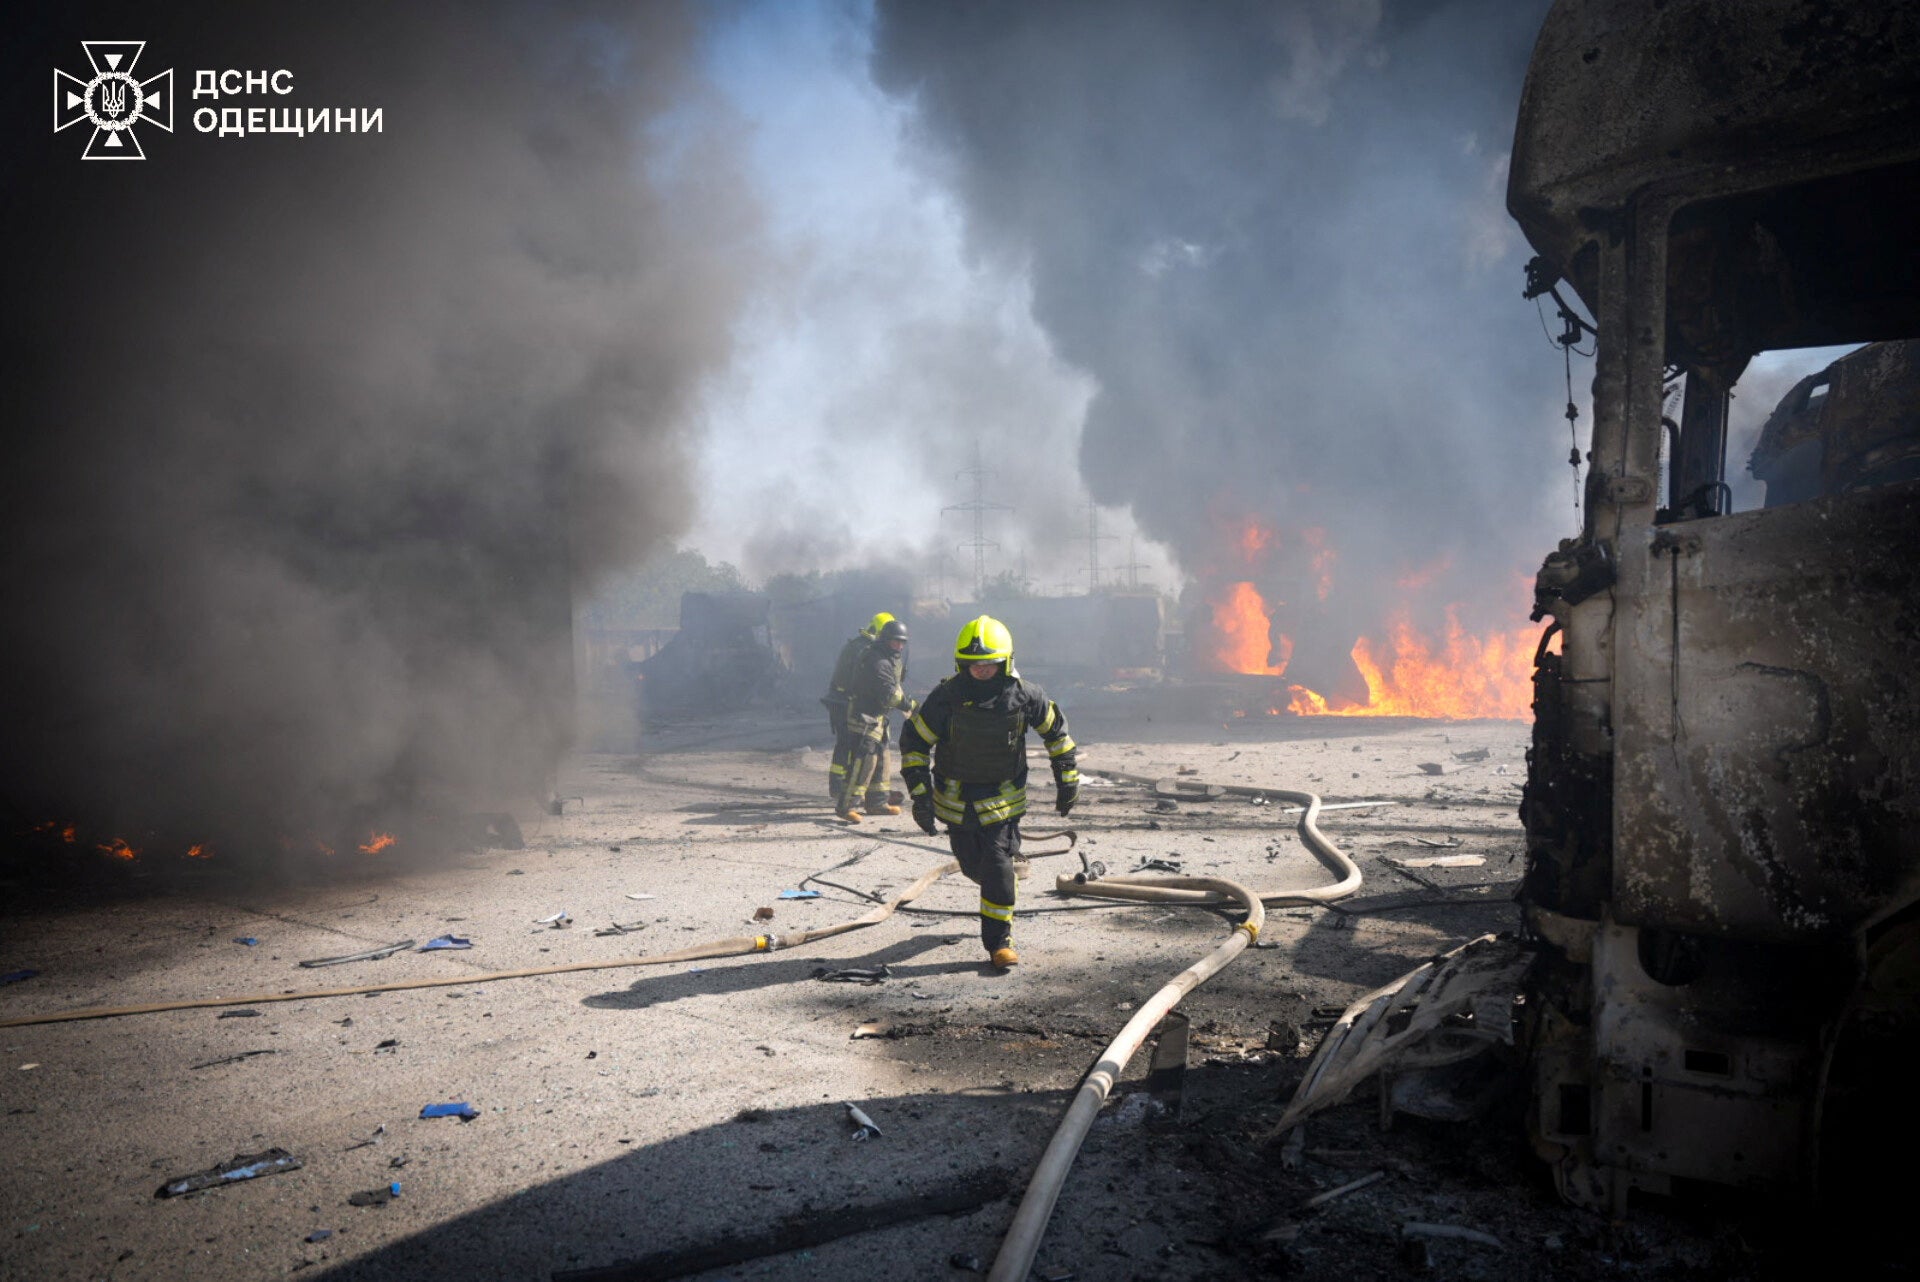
1022,1243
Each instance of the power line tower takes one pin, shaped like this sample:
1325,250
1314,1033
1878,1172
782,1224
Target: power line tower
1132,567
979,507
1094,539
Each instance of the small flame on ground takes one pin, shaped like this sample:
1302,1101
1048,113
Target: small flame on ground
199,850
119,849
64,831
378,842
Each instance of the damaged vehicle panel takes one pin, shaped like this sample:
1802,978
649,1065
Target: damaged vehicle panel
1723,797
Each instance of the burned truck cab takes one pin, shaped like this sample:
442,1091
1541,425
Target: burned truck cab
1723,795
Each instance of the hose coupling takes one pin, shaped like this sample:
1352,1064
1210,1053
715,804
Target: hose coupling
763,943
1253,931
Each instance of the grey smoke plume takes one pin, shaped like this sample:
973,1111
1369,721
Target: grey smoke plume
312,438
1274,236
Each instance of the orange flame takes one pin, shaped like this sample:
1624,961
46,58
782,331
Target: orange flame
119,849
1469,676
378,842
64,831
1255,539
1245,631
199,850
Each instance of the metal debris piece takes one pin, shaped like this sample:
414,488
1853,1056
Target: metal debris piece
1412,1014
866,1127
1158,865
375,1197
643,896
372,954
1431,768
1473,754
464,1111
444,941
853,975
239,1014
319,1235
233,1059
891,1032
801,894
1351,1186
248,940
622,928
964,1262
1441,861
243,1166
559,920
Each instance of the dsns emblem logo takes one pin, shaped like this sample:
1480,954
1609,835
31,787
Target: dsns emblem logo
113,101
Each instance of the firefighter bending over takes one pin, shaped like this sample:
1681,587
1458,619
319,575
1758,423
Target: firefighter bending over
837,697
975,726
872,693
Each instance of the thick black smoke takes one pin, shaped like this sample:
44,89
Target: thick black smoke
311,438
1274,235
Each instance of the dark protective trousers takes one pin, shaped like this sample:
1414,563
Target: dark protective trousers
986,857
864,745
837,771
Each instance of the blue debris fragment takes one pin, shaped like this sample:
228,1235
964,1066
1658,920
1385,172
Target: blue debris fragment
444,941
799,894
465,1112
15,976
248,940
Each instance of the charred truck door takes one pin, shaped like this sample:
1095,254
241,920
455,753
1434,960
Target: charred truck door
1723,796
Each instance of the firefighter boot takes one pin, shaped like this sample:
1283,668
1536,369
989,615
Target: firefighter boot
1005,957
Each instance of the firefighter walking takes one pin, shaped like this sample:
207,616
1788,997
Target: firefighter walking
964,756
874,690
837,698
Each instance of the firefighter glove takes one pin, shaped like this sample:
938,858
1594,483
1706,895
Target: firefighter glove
923,813
1064,796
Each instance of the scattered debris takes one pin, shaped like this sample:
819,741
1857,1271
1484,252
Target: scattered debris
372,954
853,975
865,1127
248,940
622,928
17,976
763,914
244,1166
800,894
963,1261
1158,865
1431,768
892,1032
559,920
1474,754
1438,845
1166,805
1351,1186
1441,861
465,1112
29,1067
238,1014
643,896
233,1059
444,941
375,1197
1186,770
319,1235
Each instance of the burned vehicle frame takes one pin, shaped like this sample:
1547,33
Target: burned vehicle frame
1722,810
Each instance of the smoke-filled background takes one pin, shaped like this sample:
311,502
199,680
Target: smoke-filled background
311,439
315,443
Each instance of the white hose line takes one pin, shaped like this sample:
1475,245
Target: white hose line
1331,856
1036,1208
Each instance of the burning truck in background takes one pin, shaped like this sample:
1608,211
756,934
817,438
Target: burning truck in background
1723,798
